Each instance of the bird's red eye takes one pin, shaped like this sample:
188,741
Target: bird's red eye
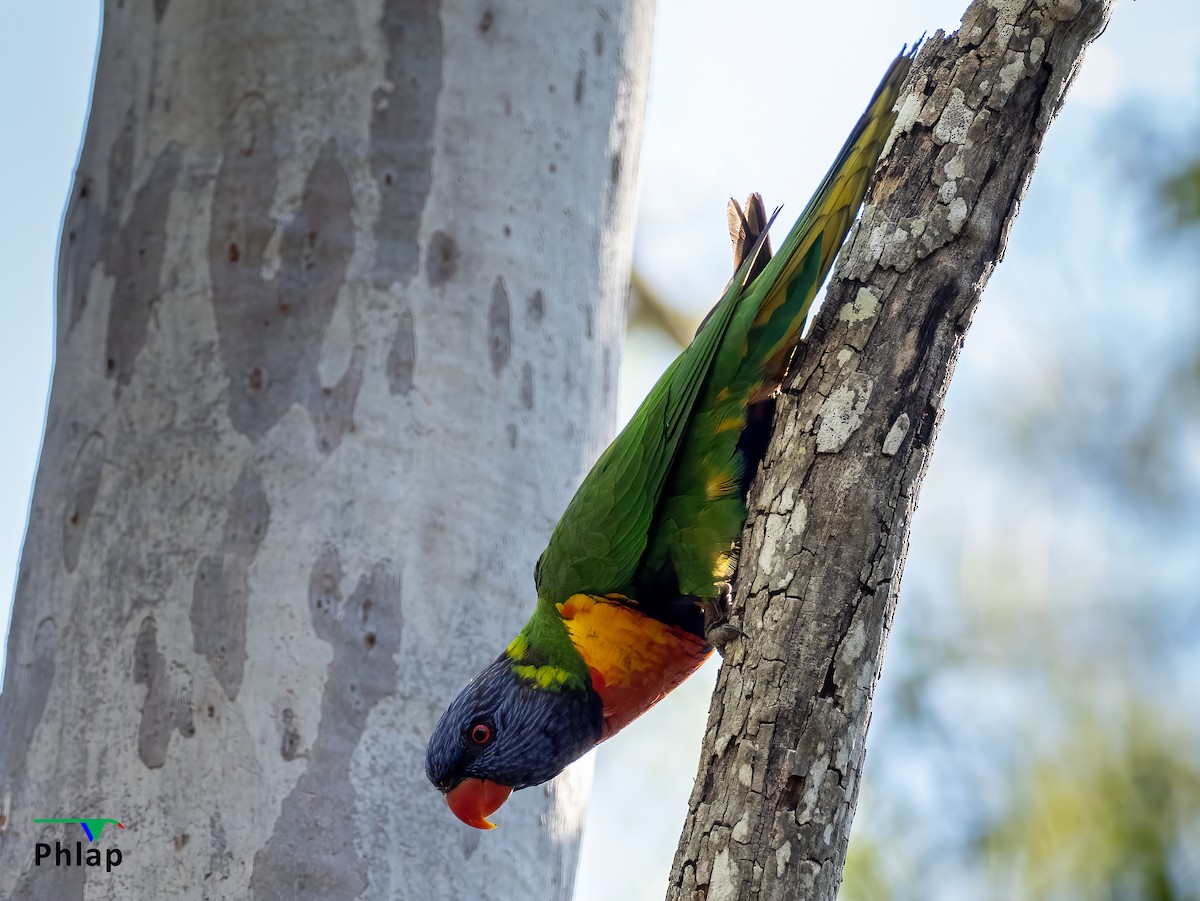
481,733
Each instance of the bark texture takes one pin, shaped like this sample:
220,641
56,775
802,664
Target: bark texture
340,302
830,512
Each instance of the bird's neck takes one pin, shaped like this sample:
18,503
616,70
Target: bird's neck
544,655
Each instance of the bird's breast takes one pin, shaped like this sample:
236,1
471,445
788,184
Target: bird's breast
634,659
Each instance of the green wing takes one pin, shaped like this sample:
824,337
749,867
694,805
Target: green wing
704,504
665,503
602,535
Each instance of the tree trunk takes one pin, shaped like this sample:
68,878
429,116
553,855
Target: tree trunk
340,302
825,543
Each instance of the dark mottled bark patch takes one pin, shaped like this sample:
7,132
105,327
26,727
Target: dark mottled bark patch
160,10
402,358
81,249
221,589
271,330
536,307
333,409
289,746
441,262
219,856
527,386
486,21
510,432
46,882
470,842
580,83
608,374
91,230
311,855
402,133
27,682
614,173
598,43
120,168
499,329
135,263
82,486
162,713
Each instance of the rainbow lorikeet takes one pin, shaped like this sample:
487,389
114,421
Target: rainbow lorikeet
631,585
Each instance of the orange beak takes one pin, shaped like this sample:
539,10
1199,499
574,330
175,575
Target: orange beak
472,800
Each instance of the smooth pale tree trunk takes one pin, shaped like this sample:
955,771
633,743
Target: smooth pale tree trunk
830,513
340,302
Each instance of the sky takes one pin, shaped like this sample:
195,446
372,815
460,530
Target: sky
759,100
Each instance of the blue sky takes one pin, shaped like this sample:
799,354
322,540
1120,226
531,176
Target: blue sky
1077,252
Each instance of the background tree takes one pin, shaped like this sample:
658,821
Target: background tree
339,303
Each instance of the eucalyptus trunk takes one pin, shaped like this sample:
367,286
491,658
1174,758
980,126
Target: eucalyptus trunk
340,305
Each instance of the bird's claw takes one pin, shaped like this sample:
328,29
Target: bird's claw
718,630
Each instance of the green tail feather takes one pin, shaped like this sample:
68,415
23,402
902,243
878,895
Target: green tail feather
659,515
703,508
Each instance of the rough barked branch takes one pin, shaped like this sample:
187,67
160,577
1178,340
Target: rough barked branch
830,513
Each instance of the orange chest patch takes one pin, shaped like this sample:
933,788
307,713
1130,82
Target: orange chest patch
634,659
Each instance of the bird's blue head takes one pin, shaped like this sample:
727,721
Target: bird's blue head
506,731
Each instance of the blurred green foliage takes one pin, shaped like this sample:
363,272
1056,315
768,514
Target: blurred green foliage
1111,813
1180,192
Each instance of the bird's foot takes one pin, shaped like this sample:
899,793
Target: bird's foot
718,631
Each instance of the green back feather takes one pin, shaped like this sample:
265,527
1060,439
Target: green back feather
603,533
667,492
